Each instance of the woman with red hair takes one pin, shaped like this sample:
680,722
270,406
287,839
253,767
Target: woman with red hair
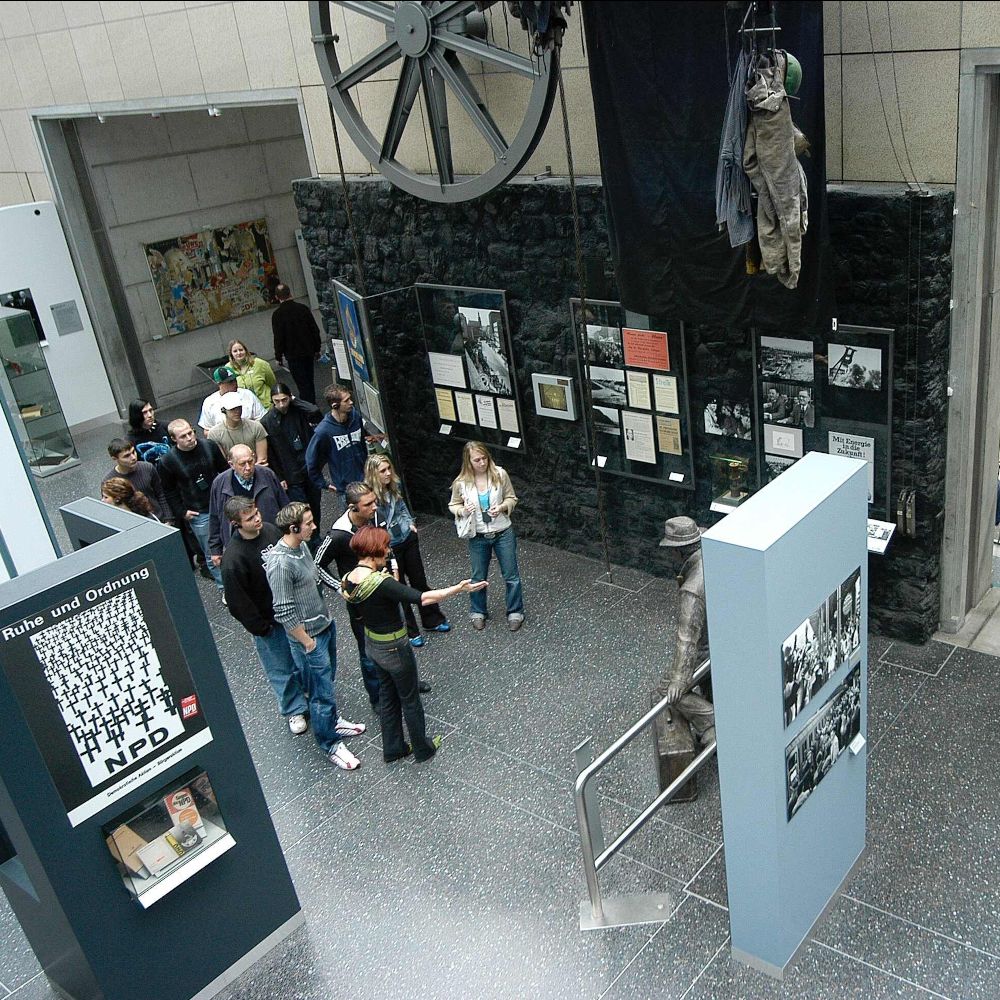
378,597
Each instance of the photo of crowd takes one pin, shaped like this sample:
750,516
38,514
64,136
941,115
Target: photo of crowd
811,755
826,640
781,358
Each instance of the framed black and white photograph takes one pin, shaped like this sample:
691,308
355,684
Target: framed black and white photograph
726,418
607,386
607,422
604,346
786,360
810,757
788,404
850,616
784,441
857,372
852,367
775,465
554,396
805,661
484,356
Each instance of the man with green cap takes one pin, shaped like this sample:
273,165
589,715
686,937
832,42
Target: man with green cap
211,409
682,540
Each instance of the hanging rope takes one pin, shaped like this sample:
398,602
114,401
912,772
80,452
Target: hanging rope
360,277
581,338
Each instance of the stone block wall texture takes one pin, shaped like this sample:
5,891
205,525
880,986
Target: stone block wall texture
890,251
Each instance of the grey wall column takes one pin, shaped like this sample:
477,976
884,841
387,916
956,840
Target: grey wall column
974,410
84,229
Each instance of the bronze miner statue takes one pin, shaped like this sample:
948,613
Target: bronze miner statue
689,711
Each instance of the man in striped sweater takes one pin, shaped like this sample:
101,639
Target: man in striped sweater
300,609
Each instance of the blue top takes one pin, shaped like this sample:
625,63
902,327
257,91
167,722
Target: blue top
341,448
484,500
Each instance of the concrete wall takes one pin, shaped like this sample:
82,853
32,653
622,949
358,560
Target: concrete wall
90,56
157,178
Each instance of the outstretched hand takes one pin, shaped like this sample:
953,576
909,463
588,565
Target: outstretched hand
468,586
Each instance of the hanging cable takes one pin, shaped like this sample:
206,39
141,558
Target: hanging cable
878,82
581,340
899,110
347,205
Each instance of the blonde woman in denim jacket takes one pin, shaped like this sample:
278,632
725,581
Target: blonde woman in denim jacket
394,514
483,491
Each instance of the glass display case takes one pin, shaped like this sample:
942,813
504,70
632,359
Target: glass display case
729,482
168,837
37,417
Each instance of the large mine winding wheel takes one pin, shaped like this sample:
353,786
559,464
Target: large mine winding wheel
427,39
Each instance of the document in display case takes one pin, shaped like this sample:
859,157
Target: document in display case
168,838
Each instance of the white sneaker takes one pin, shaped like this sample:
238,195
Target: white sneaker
349,729
297,724
343,758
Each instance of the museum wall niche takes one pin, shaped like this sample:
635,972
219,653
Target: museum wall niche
889,252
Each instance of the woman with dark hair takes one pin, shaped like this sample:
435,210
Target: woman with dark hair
252,373
378,596
121,493
149,437
290,424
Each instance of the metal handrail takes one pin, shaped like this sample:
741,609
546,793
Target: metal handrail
592,863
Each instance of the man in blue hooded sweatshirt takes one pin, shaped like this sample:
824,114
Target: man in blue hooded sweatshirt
338,443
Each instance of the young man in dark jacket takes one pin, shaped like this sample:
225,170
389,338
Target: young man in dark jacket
187,472
338,444
290,424
249,599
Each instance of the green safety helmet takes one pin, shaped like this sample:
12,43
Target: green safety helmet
793,74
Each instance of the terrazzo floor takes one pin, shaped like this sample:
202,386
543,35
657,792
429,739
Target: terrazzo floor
461,877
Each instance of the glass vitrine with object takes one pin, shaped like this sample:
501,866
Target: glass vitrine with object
36,415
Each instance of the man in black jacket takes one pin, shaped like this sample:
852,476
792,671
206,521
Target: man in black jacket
289,425
187,472
297,338
251,603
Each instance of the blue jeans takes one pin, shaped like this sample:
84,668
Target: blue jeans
481,549
199,528
275,657
316,672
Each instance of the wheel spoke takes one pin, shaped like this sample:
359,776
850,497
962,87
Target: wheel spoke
453,8
453,72
369,8
486,53
386,54
437,112
402,104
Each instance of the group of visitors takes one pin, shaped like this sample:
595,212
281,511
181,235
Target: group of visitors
249,495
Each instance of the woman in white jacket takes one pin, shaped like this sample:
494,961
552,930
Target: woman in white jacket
482,500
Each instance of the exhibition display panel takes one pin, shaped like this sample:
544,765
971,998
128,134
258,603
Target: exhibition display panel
638,423
789,682
467,337
830,394
357,338
127,788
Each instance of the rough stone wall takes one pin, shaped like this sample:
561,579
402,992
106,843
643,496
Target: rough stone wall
520,238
